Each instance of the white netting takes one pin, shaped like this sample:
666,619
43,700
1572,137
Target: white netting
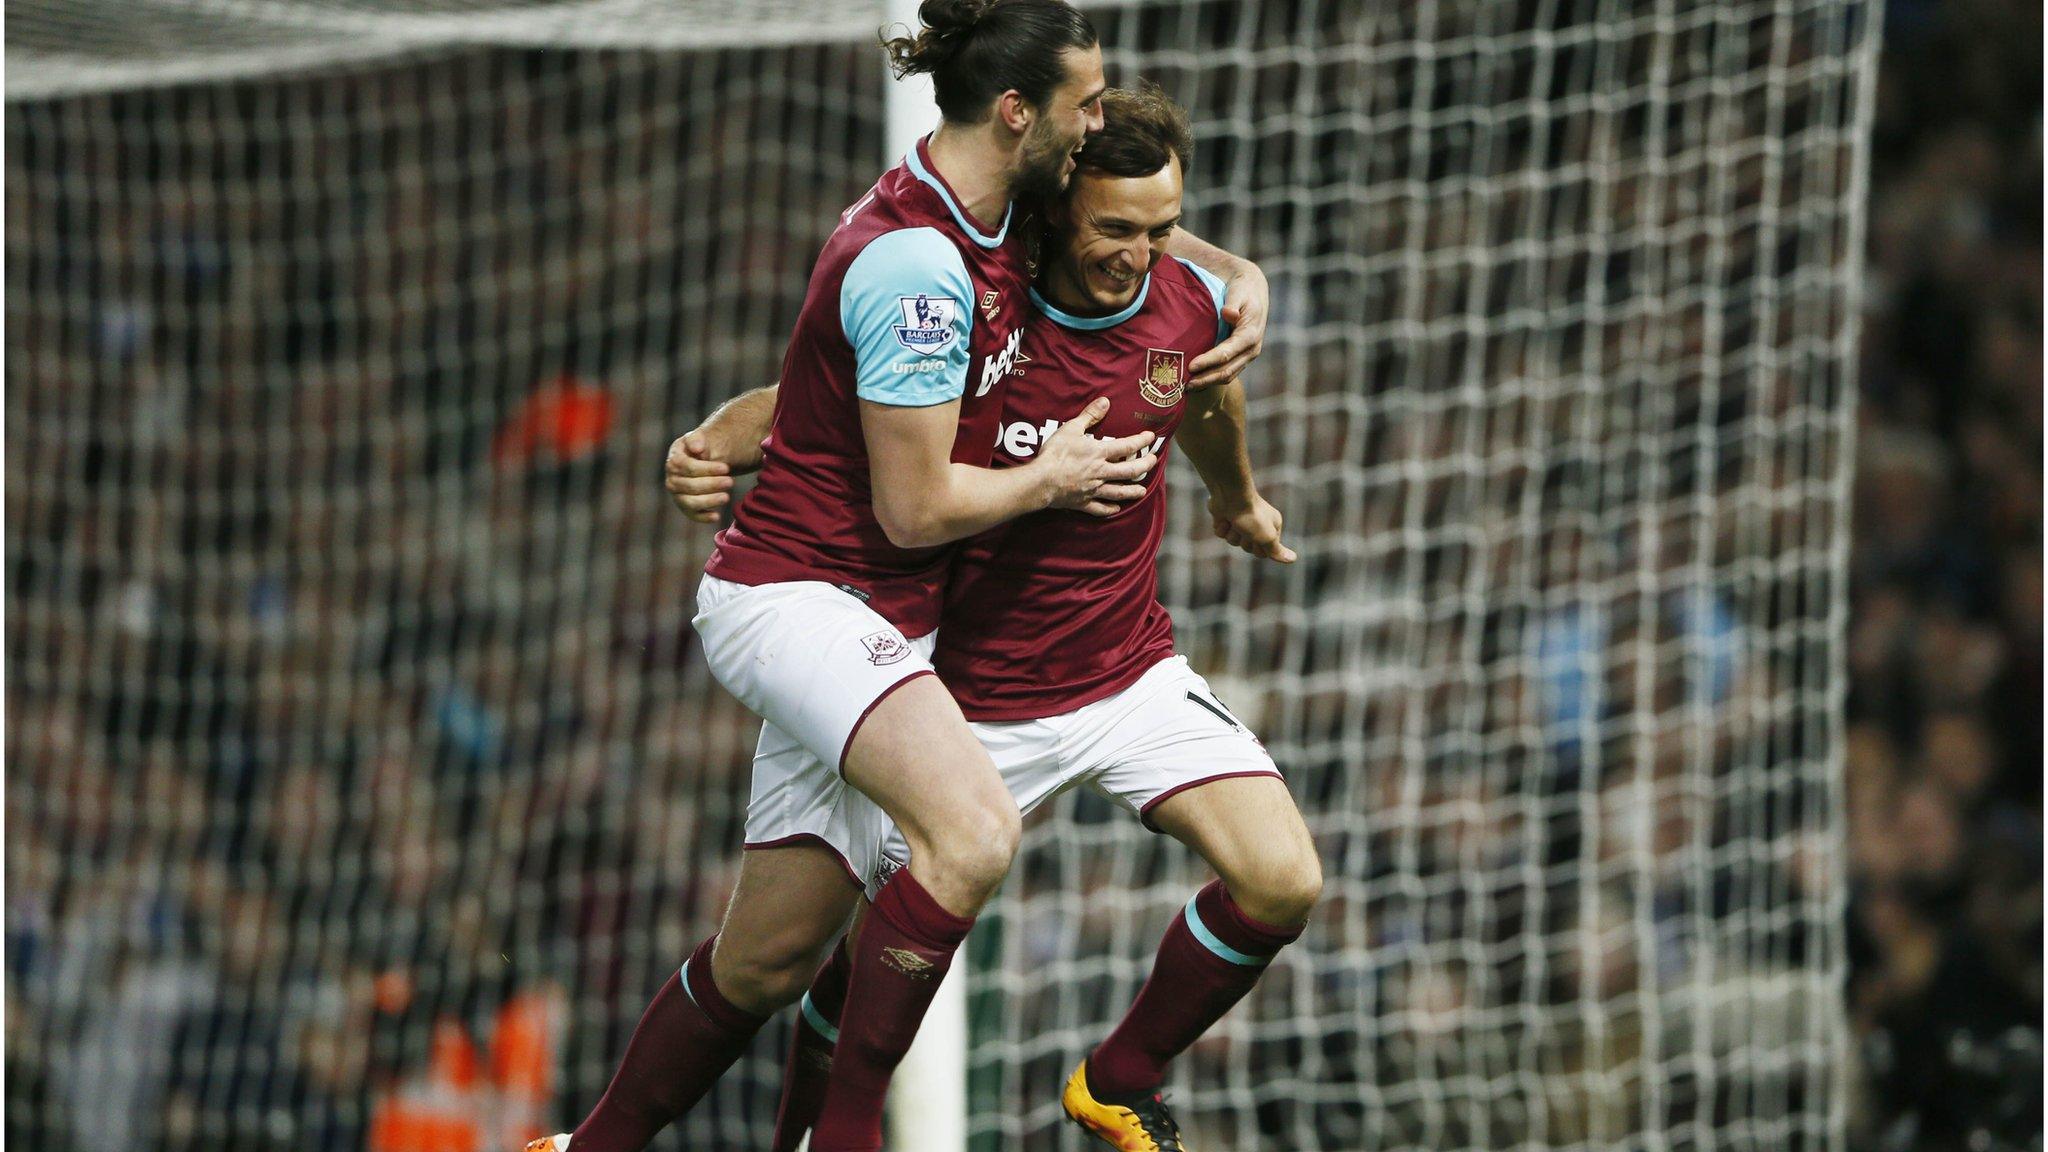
65,47
362,776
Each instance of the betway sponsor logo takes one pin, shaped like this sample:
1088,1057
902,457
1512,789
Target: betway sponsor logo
998,366
1021,439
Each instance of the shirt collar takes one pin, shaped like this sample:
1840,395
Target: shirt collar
919,160
1093,323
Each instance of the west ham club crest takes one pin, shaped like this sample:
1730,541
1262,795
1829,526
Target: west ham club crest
1164,379
885,648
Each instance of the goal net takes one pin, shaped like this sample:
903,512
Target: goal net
363,780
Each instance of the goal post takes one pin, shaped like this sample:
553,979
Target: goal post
357,742
928,1096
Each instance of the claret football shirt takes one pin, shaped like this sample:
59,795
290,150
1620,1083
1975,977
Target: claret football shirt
1059,609
911,303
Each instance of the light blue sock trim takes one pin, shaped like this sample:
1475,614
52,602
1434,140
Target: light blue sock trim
1210,941
683,976
817,1021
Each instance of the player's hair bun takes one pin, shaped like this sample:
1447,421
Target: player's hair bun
976,49
947,26
945,18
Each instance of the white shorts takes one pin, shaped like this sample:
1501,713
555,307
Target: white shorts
1162,735
811,661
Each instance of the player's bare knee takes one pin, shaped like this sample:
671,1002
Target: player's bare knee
765,977
974,853
983,853
1005,832
1301,888
764,988
1281,889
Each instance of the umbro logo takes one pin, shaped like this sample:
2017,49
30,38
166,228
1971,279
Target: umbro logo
990,305
909,963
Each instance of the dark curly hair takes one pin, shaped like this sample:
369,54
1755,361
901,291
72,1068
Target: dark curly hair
976,50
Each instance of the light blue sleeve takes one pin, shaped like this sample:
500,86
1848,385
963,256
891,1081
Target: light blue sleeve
1214,284
907,307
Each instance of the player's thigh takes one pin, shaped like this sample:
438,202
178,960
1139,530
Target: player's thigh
806,657
1250,831
916,758
1027,758
796,798
1162,736
1168,749
790,903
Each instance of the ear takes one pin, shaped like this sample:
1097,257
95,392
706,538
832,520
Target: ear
1014,112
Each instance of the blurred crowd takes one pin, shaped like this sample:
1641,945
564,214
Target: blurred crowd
1944,756
362,779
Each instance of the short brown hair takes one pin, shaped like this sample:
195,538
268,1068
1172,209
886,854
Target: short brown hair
1140,129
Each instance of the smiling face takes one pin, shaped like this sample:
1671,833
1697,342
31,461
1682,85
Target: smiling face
1073,112
1108,233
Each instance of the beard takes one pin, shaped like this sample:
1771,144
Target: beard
1041,167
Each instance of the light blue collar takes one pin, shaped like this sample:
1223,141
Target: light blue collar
1095,323
918,169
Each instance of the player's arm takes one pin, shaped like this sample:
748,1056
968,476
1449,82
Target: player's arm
922,498
702,462
1244,308
1212,437
906,307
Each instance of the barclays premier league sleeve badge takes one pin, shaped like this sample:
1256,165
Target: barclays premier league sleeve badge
927,326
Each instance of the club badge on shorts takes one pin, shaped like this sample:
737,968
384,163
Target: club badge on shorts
886,869
1165,377
885,648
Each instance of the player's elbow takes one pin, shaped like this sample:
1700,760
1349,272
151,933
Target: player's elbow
909,523
912,536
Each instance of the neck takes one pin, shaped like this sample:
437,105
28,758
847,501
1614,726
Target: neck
1060,284
975,168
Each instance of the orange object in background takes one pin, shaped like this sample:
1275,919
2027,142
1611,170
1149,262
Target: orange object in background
527,1034
438,1110
562,420
469,1101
